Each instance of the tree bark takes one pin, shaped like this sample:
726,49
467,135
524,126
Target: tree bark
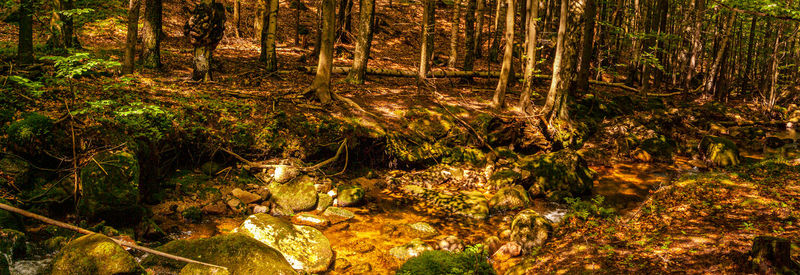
25,38
261,19
364,42
428,30
494,47
130,43
454,31
268,48
151,34
321,86
564,72
586,49
530,66
636,48
237,18
750,53
469,35
478,45
710,81
499,98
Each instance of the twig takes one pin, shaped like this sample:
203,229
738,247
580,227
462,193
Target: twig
88,232
327,161
474,132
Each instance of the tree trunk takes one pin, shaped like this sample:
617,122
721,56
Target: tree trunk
364,42
70,40
25,39
454,30
772,255
469,35
636,48
428,30
494,48
260,19
710,81
481,10
237,18
586,49
130,43
750,53
499,98
774,68
318,35
321,85
268,49
697,42
151,34
564,72
530,65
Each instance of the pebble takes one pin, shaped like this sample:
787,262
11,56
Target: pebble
363,247
244,196
260,209
310,220
452,244
362,268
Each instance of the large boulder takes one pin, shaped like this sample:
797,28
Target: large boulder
718,151
297,195
559,175
94,254
437,262
656,149
29,135
304,247
12,243
111,188
237,252
530,230
509,198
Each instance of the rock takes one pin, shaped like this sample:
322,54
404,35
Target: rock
211,168
341,264
284,173
216,208
10,220
29,135
337,215
323,201
239,253
198,269
310,220
773,142
447,263
304,247
509,198
452,244
17,169
492,244
236,205
278,210
507,251
94,254
420,230
192,214
297,195
363,247
530,230
260,209
658,149
475,205
719,152
339,227
12,243
111,192
559,175
244,196
504,177
350,195
409,250
362,268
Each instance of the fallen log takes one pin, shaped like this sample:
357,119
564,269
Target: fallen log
47,220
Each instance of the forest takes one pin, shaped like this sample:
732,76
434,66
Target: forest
399,137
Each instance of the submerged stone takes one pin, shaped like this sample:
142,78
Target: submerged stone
239,253
111,188
336,214
559,175
409,250
297,195
420,230
657,149
719,152
530,230
304,247
94,254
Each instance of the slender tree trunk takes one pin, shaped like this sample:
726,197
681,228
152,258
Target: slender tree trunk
297,6
151,34
70,41
586,49
636,49
25,39
364,42
697,42
237,18
321,85
318,40
469,35
710,81
261,19
774,68
750,52
564,73
269,50
454,30
478,45
530,65
130,43
428,30
494,48
498,101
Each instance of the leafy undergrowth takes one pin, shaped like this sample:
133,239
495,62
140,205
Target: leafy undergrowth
702,223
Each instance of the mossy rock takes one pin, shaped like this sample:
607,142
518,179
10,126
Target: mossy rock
30,134
323,201
297,195
438,262
509,198
10,220
189,182
473,205
238,252
350,195
420,230
111,188
211,168
94,254
304,247
199,269
12,243
18,170
504,177
657,149
558,175
530,230
719,152
409,250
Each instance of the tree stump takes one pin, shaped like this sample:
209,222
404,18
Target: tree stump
205,29
773,255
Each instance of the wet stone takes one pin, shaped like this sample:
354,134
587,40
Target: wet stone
341,264
507,251
323,201
362,268
452,244
244,196
420,230
362,247
337,215
410,250
310,220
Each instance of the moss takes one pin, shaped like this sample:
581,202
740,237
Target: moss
718,151
660,148
559,175
192,214
438,262
9,220
12,243
504,177
111,188
187,181
29,134
304,247
350,195
95,254
509,198
297,195
239,253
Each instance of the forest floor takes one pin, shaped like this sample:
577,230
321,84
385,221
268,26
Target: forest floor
682,217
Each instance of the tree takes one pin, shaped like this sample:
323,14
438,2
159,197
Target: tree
428,30
237,18
481,10
586,49
321,86
530,65
205,29
498,100
469,35
61,25
268,49
151,34
363,43
25,38
710,81
454,28
130,43
555,108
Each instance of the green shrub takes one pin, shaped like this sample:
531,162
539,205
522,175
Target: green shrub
438,262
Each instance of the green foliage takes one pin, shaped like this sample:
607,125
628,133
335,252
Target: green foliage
33,88
438,262
78,64
32,129
592,208
148,122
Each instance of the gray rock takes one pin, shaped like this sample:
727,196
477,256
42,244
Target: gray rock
304,247
409,250
297,195
94,254
244,196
